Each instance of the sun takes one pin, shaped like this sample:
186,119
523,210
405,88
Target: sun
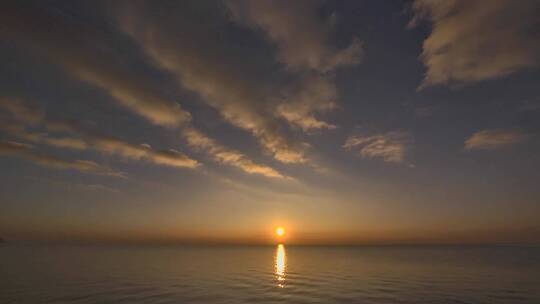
280,231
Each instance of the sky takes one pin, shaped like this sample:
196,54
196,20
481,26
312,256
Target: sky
346,122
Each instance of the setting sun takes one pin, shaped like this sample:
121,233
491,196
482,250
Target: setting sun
280,231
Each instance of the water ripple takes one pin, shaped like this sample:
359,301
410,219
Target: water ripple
268,275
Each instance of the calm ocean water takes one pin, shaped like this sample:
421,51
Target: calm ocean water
284,274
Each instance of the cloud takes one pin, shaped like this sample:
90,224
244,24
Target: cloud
223,155
315,94
303,39
304,45
478,40
16,129
494,139
25,151
21,111
91,140
65,142
390,147
80,51
115,146
191,49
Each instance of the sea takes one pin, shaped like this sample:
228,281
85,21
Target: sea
38,273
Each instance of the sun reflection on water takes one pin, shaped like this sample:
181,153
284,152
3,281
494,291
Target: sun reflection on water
280,265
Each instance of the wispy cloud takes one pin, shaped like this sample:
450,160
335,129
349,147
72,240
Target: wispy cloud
303,39
82,139
188,49
20,110
390,147
61,142
25,151
82,51
115,146
314,94
18,130
221,154
304,47
79,50
477,40
494,139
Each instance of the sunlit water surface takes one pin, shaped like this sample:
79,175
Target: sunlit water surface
279,274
